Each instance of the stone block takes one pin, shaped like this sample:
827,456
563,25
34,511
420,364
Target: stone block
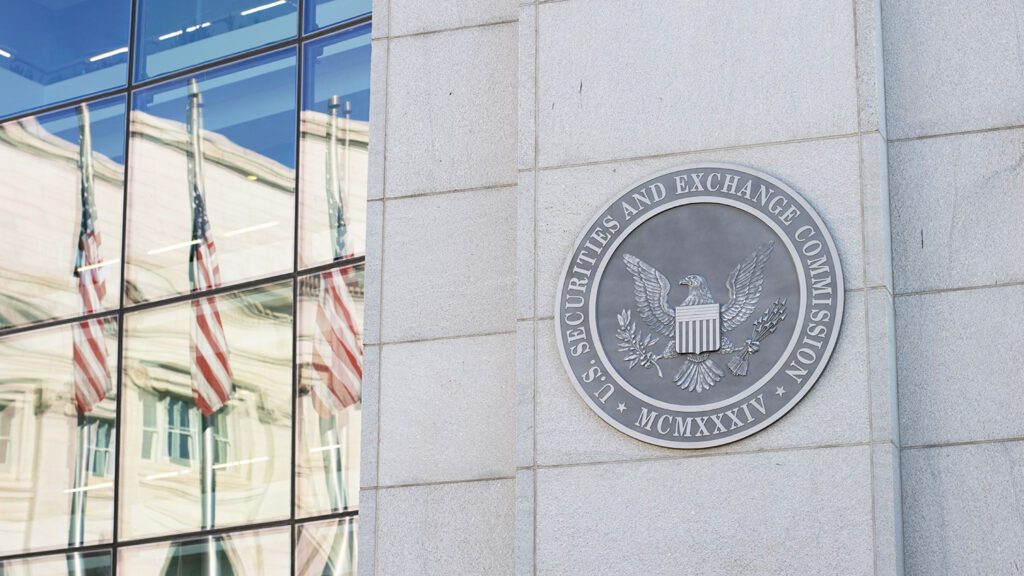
524,522
447,410
525,253
962,509
881,352
449,265
956,207
959,365
791,512
451,119
418,16
380,18
527,86
950,66
371,272
623,79
378,118
465,528
888,510
367,532
525,376
369,414
877,222
870,65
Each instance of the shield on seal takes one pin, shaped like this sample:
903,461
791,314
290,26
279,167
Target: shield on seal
697,329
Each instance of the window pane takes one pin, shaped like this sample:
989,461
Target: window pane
90,564
240,365
327,548
321,13
178,34
58,395
245,178
263,553
330,380
46,58
52,245
335,136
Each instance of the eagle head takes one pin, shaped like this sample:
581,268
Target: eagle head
698,285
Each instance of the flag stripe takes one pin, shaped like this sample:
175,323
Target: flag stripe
337,352
212,381
91,377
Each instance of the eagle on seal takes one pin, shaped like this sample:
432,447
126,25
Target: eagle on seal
651,289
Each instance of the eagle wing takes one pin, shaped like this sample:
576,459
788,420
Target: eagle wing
650,289
744,285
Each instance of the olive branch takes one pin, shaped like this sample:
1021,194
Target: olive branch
763,327
636,344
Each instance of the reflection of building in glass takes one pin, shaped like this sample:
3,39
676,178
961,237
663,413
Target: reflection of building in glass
40,196
37,445
161,464
121,403
315,232
161,423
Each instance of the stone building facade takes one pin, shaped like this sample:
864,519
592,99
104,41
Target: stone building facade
498,128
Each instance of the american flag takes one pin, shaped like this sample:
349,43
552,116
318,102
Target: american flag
91,377
337,352
211,373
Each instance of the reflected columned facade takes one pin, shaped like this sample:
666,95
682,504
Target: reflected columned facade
181,306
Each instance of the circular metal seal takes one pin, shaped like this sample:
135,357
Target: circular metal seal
699,306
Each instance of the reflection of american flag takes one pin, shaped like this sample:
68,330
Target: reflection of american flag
92,378
211,373
337,352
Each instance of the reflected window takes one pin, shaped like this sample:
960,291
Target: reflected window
150,431
62,197
215,390
102,450
259,553
334,146
329,547
179,431
222,437
46,58
75,564
329,416
57,435
6,423
212,178
173,35
321,13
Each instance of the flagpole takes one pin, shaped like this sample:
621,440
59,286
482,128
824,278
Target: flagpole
329,434
83,442
207,447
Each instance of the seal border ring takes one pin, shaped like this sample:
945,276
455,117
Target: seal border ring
804,389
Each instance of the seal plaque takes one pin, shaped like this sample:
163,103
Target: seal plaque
699,306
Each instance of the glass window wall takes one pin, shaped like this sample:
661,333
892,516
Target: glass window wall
328,411
328,547
212,178
335,140
181,309
51,52
58,402
321,13
172,35
62,194
217,448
